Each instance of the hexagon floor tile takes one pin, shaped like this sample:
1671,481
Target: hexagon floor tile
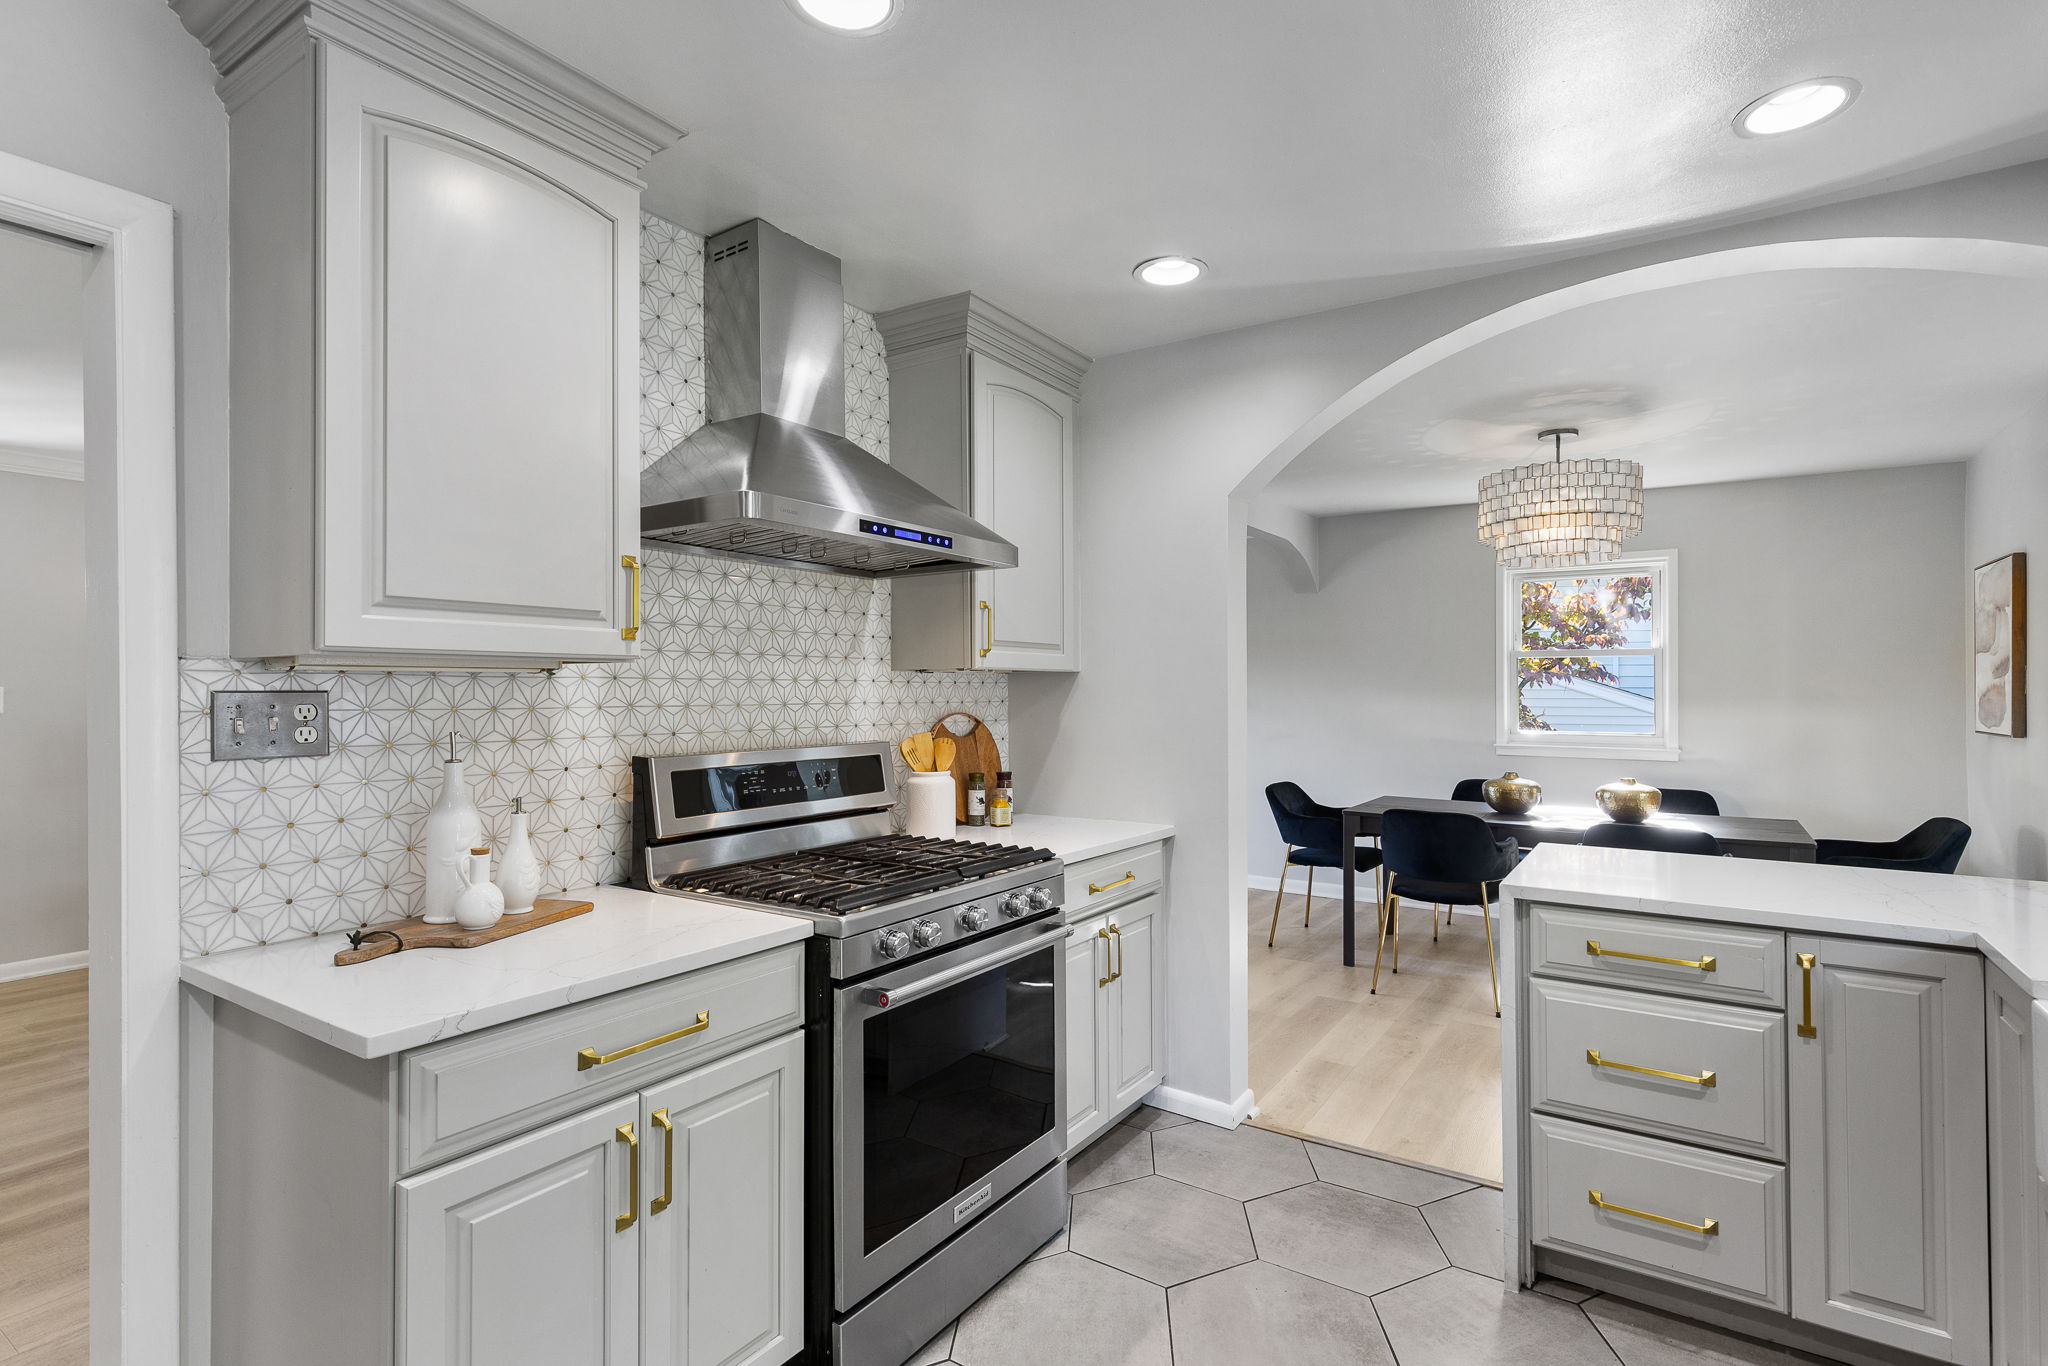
1263,1313
1121,1154
1377,1176
1358,1241
1160,1229
1459,1318
1242,1163
1093,1315
1468,1226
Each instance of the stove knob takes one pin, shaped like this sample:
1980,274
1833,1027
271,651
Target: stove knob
928,933
1039,898
892,943
1015,905
973,918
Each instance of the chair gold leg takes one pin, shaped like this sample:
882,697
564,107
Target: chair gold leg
1308,897
1435,916
1386,922
1492,963
1286,862
1395,930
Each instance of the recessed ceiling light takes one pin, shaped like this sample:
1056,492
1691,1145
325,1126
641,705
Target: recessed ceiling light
1169,270
848,16
1796,106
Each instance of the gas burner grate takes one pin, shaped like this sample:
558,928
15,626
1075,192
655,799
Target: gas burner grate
843,878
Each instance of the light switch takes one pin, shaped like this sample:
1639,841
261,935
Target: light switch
252,725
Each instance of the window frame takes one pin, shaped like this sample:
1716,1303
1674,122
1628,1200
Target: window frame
1659,746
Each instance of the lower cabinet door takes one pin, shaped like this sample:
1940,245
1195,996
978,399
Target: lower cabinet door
1886,1067
722,1187
514,1256
1085,961
1134,1002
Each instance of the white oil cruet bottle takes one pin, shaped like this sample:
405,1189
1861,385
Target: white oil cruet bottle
454,827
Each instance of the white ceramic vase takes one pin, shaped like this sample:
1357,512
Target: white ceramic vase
518,866
454,827
479,905
930,806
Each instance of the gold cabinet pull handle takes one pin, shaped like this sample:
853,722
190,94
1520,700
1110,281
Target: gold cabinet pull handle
632,632
1806,1025
1124,881
1118,931
1706,964
668,1161
1703,1079
589,1057
988,629
1710,1227
1102,933
624,1134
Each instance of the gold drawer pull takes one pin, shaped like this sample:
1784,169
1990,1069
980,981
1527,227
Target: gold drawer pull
632,632
1710,1227
988,629
1703,1079
1703,964
1102,933
1124,881
589,1057
1118,931
668,1161
624,1134
1806,1026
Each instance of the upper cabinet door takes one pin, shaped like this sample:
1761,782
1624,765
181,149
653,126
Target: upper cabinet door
476,488
1889,1234
1022,444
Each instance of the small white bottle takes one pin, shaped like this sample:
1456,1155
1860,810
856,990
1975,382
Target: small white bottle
454,827
479,905
518,867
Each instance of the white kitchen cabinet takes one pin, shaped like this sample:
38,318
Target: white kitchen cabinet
1889,1239
435,358
1116,976
2017,1303
982,412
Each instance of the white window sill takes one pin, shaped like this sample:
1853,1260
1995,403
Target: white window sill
1573,749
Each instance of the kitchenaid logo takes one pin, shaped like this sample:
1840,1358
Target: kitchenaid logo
973,1203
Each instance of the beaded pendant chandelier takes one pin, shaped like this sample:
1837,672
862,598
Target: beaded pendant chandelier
1560,512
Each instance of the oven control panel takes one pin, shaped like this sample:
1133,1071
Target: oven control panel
932,930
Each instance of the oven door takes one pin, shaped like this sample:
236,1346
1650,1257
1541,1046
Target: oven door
948,1097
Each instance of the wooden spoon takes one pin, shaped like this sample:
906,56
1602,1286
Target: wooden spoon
917,751
943,749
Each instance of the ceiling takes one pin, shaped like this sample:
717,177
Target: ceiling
1747,377
42,360
1314,152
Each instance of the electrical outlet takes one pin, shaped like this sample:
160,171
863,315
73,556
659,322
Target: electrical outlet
269,725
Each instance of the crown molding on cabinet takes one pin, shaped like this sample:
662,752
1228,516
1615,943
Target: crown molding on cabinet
942,326
442,45
45,463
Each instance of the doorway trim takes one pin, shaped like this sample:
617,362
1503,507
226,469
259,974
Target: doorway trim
131,499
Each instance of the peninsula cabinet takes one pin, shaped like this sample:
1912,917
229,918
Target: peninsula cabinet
982,410
1115,963
435,355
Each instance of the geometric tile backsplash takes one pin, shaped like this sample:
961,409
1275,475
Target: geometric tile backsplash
732,656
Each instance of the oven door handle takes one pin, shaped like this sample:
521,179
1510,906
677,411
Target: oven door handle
885,997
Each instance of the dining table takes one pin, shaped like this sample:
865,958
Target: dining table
1765,837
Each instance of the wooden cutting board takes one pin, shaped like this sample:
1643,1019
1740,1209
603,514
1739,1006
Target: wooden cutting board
413,933
974,752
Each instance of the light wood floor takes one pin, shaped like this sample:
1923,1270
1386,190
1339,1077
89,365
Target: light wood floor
42,1171
1412,1073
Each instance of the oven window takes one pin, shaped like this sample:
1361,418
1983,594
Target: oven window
956,1083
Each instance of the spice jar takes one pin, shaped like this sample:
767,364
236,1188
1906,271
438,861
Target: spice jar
977,799
1000,805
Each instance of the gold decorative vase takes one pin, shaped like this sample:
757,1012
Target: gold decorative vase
1628,801
1511,794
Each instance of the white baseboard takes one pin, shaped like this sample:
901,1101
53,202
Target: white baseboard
42,967
1192,1106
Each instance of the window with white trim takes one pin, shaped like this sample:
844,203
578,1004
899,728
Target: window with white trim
1586,659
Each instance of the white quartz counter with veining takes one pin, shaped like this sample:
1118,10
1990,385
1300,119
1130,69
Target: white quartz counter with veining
1072,838
416,997
2006,920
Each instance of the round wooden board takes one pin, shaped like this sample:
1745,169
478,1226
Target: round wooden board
975,752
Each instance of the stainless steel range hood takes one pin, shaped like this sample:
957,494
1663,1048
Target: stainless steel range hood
771,474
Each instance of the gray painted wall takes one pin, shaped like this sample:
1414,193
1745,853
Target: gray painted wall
2007,510
1794,694
42,731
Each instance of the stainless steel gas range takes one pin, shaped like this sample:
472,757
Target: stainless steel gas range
935,1075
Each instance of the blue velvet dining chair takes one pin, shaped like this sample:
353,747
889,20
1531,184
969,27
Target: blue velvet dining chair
1659,838
1449,858
1469,790
1934,846
1315,837
1688,801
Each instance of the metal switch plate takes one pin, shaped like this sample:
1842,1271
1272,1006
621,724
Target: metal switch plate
269,725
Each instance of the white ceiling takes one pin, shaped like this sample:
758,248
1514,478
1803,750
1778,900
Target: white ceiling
1314,152
1750,377
42,363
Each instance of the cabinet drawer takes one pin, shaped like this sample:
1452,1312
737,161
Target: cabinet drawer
1113,877
473,1090
1748,965
1586,1044
1742,1200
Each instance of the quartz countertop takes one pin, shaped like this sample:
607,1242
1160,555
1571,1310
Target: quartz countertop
1072,838
415,997
2005,919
